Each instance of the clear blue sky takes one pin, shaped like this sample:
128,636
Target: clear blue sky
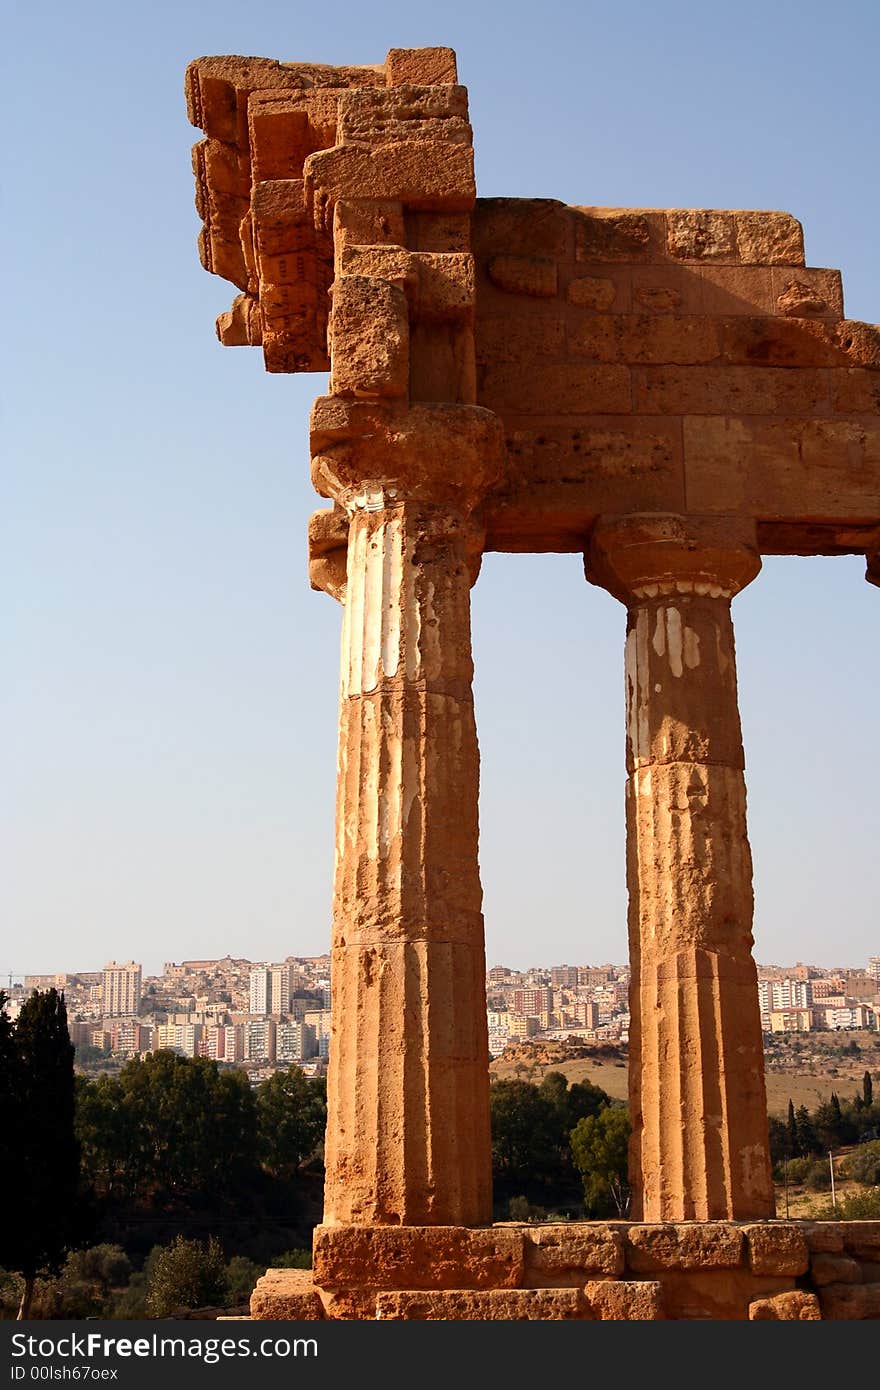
170,689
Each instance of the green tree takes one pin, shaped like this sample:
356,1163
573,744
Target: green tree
864,1164
291,1116
186,1274
780,1140
599,1145
807,1139
42,1162
241,1276
793,1149
867,1090
169,1124
525,1133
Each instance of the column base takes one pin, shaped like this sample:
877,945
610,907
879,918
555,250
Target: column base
588,1271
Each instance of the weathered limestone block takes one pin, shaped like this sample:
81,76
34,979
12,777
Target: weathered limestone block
699,1245
367,222
618,234
349,1305
564,1254
517,338
769,238
808,292
369,338
862,1238
850,1301
625,1300
431,175
486,1305
328,551
424,66
823,1237
777,1249
701,234
592,292
439,285
575,388
240,325
796,1306
532,275
786,342
859,341
373,116
641,338
729,390
286,1294
827,468
285,127
856,392
418,1257
835,1269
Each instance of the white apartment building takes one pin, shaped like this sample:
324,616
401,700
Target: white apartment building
295,1042
121,988
271,987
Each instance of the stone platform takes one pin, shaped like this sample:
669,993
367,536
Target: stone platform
615,1270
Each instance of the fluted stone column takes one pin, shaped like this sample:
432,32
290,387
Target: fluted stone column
699,1147
408,1105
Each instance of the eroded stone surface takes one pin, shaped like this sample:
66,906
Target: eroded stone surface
558,1255
385,1257
850,1301
796,1306
489,1305
708,1245
286,1295
777,1248
625,1300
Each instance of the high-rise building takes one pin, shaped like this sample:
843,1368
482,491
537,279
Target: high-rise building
121,988
259,1040
533,1001
280,989
261,990
295,1042
271,989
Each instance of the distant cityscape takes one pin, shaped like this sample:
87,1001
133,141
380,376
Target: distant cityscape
265,1016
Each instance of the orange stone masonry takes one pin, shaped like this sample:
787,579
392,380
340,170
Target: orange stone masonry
699,1146
672,393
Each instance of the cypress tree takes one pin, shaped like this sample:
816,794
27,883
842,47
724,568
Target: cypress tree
41,1154
792,1129
867,1090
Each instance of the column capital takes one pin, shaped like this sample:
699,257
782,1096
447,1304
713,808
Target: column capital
647,555
439,453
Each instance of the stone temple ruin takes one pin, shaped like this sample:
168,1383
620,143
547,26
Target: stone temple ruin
672,393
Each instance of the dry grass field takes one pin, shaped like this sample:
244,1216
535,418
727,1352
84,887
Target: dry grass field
807,1075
